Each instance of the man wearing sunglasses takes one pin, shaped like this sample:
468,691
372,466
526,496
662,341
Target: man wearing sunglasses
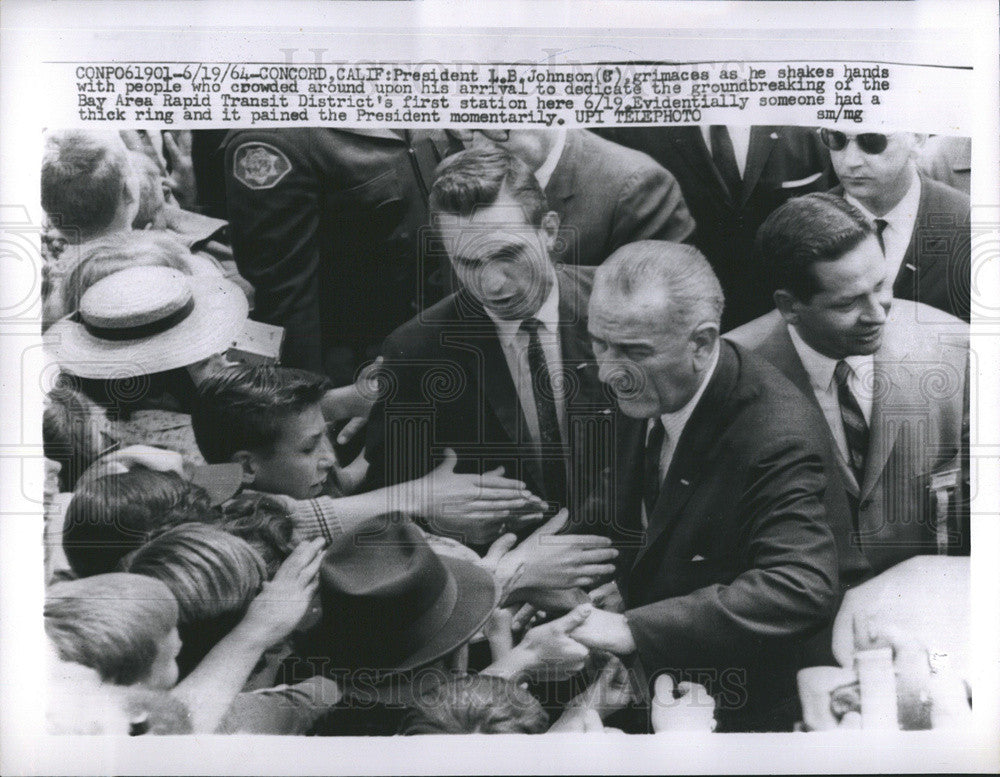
922,226
605,195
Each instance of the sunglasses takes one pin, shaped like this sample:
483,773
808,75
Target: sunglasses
869,142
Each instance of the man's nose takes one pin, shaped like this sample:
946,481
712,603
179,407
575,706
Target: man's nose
852,155
327,458
877,308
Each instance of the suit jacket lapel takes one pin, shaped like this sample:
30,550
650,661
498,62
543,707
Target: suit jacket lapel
883,429
699,157
561,184
762,141
778,349
905,283
688,463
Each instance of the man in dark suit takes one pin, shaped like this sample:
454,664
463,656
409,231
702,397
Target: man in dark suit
606,195
922,226
327,226
502,371
889,377
732,178
720,475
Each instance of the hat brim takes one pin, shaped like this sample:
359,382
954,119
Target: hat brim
476,600
219,313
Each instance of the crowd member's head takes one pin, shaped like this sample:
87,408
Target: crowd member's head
144,333
654,320
876,168
496,229
75,432
89,187
263,523
531,146
120,252
113,515
392,605
152,198
832,280
269,420
123,626
213,576
476,704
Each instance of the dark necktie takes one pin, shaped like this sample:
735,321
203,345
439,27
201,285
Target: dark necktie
651,481
724,158
855,426
553,466
880,225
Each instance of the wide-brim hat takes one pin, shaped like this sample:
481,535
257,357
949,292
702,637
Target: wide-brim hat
391,604
145,320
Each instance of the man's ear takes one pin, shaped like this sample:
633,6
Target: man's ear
703,339
787,305
550,226
249,464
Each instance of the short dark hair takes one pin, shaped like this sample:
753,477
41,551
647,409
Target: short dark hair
115,514
264,523
112,623
213,575
74,429
473,178
84,174
240,408
806,230
476,704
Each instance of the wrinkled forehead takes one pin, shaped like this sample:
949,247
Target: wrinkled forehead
617,316
488,229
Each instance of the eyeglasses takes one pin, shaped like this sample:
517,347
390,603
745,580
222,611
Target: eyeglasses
869,142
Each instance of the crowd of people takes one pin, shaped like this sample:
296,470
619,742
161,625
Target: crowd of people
568,431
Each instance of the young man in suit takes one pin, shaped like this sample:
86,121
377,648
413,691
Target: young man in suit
720,475
889,376
732,178
921,225
501,371
605,195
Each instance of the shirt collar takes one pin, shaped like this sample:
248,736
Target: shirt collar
544,173
548,314
819,367
905,210
674,423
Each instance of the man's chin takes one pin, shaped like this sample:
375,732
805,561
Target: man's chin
635,409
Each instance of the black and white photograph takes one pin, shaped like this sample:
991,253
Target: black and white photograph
518,420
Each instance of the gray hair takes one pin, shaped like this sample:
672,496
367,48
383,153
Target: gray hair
694,295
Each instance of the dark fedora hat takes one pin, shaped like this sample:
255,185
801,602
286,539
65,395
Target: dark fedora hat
391,604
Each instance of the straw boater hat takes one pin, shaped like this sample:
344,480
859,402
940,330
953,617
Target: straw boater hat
145,320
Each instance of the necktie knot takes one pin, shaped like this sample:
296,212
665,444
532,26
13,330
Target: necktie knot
842,373
531,326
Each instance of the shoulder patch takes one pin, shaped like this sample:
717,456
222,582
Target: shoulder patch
259,165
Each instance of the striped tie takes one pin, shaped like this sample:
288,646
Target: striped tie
553,463
855,426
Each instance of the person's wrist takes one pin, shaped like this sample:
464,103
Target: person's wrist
253,635
628,640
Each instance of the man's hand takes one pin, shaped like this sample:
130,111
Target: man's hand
181,181
547,652
353,402
474,508
125,459
283,602
605,631
688,708
562,561
607,597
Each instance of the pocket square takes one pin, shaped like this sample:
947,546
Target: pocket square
801,181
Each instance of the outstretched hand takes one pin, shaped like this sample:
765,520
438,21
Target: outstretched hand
284,600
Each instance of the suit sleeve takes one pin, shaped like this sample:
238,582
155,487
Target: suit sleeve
650,206
275,243
788,591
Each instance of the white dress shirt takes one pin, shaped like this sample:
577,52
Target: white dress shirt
514,344
740,136
820,369
544,173
898,224
674,423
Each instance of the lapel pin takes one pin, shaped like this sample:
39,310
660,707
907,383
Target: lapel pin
685,482
606,411
581,366
774,136
910,267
